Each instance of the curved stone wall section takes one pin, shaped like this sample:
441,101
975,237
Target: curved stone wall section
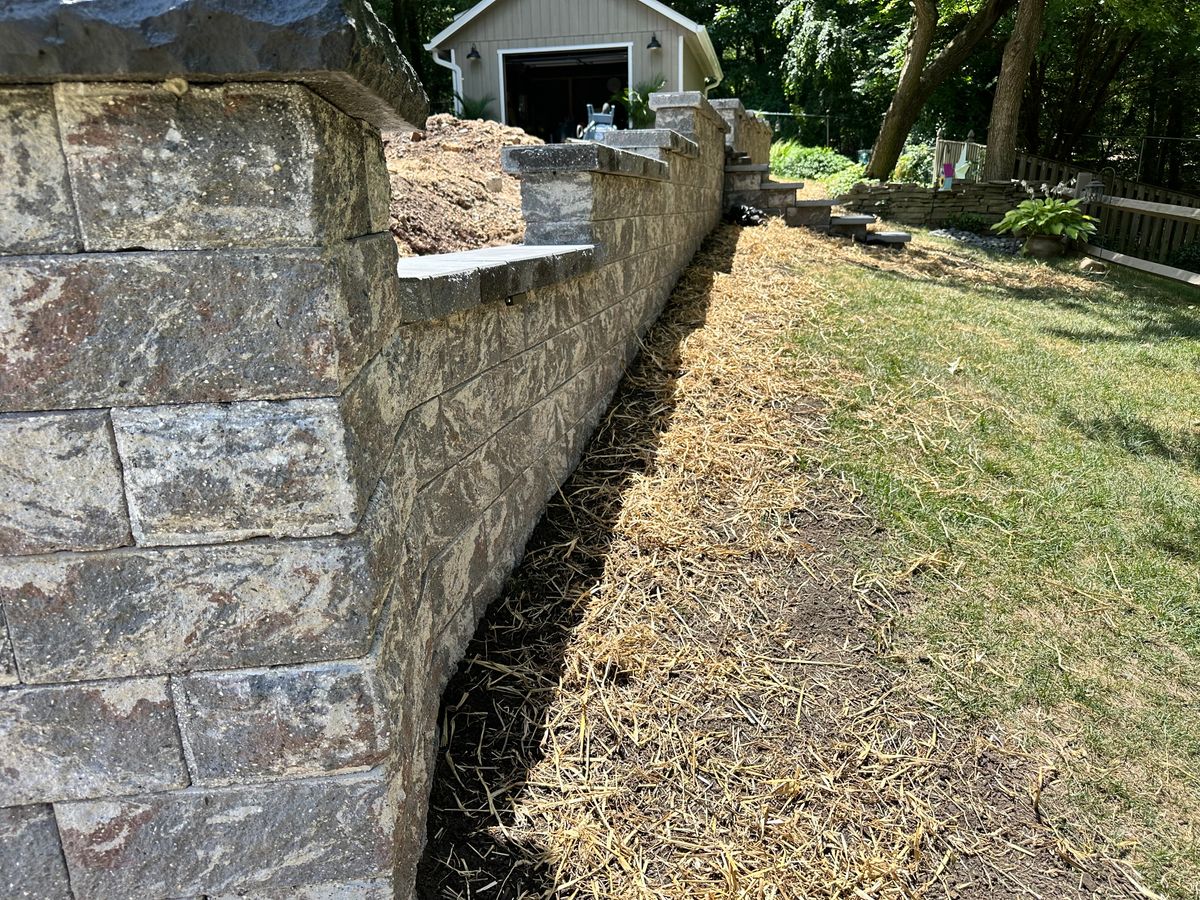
259,478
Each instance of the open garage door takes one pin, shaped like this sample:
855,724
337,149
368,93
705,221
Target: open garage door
546,92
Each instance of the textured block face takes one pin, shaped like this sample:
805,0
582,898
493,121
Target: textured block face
249,165
280,722
36,215
31,861
227,840
8,663
150,612
92,740
206,473
60,486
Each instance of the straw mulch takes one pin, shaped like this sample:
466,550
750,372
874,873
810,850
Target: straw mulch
683,691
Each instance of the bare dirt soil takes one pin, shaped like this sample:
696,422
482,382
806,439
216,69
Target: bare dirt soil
687,689
448,192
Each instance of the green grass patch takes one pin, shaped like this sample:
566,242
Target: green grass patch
1031,442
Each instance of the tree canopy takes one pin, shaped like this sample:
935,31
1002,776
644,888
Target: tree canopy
1112,82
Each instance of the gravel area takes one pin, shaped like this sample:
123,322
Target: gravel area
1006,246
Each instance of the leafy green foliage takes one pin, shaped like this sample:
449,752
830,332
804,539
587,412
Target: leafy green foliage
1051,217
1187,257
967,221
843,181
915,165
636,101
791,160
475,107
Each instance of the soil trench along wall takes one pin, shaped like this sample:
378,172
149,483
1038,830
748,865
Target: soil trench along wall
259,478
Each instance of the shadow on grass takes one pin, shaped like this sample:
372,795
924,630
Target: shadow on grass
1137,437
495,709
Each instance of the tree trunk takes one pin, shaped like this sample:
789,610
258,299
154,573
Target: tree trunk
905,105
1006,107
904,111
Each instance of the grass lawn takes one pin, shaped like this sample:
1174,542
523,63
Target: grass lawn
1030,441
879,580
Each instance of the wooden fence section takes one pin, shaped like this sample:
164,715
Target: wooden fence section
951,152
1149,244
1039,170
1136,219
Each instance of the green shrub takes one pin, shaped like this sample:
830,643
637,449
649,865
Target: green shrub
791,160
1187,257
636,101
843,181
1049,217
972,222
475,107
915,165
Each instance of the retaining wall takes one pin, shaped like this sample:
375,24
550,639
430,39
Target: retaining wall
911,204
259,477
748,133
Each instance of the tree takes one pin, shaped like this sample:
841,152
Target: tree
911,96
1014,71
906,103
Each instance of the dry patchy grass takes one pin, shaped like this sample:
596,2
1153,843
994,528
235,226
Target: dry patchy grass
705,680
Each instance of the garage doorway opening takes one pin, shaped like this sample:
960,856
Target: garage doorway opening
547,91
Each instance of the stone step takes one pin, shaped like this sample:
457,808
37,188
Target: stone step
762,197
886,238
743,181
852,220
790,185
814,204
747,167
851,226
801,214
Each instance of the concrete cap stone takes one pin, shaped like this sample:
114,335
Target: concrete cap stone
338,48
581,157
655,138
688,100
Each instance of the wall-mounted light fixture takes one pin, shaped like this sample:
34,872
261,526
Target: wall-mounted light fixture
474,54
654,44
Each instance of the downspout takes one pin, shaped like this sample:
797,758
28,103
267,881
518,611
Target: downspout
455,77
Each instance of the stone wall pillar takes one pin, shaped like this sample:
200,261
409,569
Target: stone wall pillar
748,133
199,473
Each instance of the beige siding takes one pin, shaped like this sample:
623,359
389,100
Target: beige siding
693,73
524,24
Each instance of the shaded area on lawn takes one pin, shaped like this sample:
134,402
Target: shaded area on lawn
686,691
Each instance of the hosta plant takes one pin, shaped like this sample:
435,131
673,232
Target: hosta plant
1045,223
1050,217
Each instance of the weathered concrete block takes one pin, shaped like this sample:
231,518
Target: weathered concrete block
280,722
226,840
236,165
8,662
205,473
36,214
60,485
146,611
88,740
129,329
31,860
375,889
337,47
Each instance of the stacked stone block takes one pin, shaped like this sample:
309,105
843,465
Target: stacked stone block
748,133
912,204
259,480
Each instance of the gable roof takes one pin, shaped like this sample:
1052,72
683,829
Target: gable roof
699,31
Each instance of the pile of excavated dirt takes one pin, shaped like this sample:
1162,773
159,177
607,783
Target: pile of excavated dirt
448,192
